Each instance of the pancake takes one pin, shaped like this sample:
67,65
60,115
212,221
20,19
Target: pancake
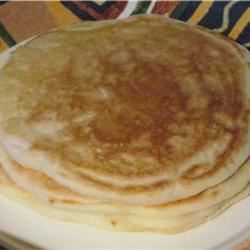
169,225
52,194
141,111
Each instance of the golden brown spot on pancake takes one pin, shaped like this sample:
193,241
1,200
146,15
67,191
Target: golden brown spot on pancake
197,170
113,222
69,201
65,201
52,201
215,193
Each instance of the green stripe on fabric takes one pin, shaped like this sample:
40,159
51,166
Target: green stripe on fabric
180,8
141,7
6,36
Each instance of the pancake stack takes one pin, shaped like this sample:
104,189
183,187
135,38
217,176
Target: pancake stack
141,124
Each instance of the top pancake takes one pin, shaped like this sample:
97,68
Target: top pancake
142,111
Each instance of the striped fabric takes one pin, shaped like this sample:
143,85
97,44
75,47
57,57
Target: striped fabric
21,20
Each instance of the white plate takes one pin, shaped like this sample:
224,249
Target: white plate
228,229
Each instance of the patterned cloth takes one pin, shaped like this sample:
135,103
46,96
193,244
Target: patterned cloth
21,20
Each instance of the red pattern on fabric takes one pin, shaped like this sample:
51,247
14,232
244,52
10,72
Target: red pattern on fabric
163,7
116,10
111,13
